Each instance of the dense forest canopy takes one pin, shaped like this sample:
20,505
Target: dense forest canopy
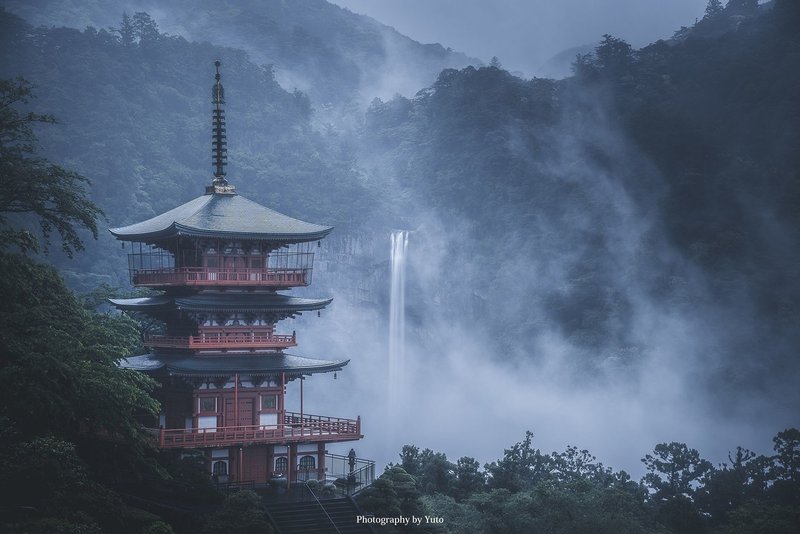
337,57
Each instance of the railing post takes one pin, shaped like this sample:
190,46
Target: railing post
161,436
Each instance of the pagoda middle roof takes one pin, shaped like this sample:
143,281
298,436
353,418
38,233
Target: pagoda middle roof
226,216
211,302
229,364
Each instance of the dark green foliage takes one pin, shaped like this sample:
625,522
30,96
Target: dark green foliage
67,409
786,469
569,492
522,467
60,359
432,469
713,8
242,512
393,494
49,195
69,439
733,485
674,469
469,478
334,53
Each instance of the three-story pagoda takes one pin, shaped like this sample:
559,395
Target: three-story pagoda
221,262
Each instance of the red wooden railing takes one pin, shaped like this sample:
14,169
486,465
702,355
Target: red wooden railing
223,340
294,428
207,276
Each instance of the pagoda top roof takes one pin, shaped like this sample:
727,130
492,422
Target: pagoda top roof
208,366
225,215
227,301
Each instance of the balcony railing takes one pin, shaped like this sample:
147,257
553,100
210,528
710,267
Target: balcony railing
212,276
294,428
223,341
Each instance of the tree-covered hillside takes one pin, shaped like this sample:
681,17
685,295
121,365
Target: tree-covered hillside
528,490
335,56
654,184
134,117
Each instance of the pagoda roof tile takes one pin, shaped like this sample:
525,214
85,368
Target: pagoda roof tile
182,365
228,301
222,215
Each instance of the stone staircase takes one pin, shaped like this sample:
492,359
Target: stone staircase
326,516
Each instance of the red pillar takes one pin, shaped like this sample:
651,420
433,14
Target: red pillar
292,462
270,461
321,461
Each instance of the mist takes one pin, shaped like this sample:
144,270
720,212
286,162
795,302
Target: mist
569,313
524,35
501,333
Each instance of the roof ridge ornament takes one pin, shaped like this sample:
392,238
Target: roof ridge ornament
219,149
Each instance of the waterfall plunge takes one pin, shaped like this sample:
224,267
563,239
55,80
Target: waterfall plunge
397,322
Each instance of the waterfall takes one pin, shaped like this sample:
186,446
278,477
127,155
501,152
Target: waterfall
397,322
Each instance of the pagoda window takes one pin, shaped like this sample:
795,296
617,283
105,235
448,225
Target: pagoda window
220,468
269,402
308,463
281,464
208,405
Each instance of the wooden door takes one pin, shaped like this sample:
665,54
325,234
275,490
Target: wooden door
245,413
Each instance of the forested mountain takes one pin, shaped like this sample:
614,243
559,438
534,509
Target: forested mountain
651,162
337,57
655,183
642,189
134,117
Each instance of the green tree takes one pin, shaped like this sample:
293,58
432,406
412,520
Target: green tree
34,188
787,457
726,489
615,57
126,31
673,469
66,398
410,460
521,467
242,512
437,474
394,493
713,8
469,478
60,360
742,6
144,27
786,468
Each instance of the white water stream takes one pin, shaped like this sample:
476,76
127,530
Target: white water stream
397,323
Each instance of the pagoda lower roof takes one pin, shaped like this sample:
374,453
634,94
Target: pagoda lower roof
218,302
228,216
226,365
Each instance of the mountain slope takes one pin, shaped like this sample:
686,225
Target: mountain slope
328,52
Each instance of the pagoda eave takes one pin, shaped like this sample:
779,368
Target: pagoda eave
176,230
256,302
222,216
229,364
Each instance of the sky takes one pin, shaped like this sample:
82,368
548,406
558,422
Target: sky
524,34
